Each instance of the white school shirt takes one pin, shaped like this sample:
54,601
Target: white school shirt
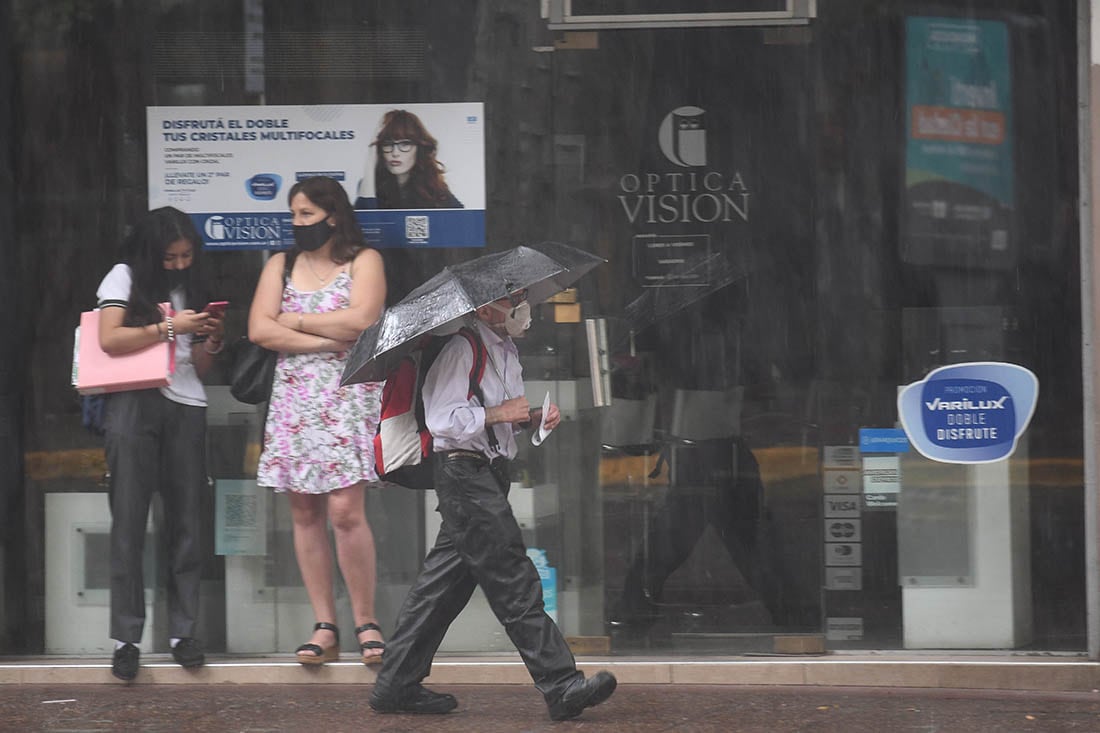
186,387
457,422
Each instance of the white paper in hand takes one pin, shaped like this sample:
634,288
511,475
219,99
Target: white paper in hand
540,435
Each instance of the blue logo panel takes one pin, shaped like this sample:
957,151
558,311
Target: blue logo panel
883,440
969,413
403,228
244,230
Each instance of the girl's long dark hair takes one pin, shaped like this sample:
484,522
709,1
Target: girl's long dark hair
327,194
143,250
426,185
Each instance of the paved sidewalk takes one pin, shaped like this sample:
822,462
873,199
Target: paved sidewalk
259,708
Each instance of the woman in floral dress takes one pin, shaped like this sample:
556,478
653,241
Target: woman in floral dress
317,442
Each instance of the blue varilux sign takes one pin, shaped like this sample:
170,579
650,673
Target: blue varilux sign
969,413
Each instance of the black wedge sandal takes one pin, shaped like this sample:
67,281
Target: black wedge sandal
311,654
371,644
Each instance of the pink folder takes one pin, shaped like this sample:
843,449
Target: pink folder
96,372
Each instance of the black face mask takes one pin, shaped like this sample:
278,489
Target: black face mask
176,278
311,237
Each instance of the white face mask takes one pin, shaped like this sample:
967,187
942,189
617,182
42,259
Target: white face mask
516,320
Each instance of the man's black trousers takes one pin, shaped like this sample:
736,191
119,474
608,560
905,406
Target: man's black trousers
479,544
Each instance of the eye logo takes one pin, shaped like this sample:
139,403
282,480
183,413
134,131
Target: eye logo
214,228
683,137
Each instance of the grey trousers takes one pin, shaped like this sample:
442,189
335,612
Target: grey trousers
479,544
154,444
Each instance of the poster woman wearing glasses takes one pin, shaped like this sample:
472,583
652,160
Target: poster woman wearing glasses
407,174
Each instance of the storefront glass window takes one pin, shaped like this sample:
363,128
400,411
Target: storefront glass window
799,223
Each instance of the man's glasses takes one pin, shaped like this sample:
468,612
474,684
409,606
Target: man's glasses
403,145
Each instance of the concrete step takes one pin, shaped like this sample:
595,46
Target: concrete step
1007,671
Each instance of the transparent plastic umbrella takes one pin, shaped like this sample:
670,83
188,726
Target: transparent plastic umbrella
442,303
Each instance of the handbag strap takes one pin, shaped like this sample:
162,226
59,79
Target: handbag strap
288,265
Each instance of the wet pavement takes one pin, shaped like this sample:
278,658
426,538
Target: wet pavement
258,708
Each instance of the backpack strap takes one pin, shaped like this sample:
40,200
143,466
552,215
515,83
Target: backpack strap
430,347
477,371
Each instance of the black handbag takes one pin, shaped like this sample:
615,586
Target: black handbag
254,366
253,373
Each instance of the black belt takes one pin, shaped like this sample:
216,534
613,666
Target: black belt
499,465
467,455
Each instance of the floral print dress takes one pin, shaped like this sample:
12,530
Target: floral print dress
319,435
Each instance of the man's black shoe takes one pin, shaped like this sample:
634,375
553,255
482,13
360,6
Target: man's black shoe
415,699
124,665
583,694
188,653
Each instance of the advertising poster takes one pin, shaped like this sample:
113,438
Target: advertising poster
959,174
415,173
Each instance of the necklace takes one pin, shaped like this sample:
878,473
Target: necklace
309,264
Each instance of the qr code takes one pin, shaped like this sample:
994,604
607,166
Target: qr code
240,510
416,227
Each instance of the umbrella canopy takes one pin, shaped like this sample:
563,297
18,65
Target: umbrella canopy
442,303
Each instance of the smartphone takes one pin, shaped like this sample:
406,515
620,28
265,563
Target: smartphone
216,308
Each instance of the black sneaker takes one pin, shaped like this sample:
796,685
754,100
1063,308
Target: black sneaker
188,653
124,665
414,699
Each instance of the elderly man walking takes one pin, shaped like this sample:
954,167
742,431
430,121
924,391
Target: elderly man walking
479,542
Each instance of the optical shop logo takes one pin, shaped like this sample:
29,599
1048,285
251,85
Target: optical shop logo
969,413
696,195
246,229
683,136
